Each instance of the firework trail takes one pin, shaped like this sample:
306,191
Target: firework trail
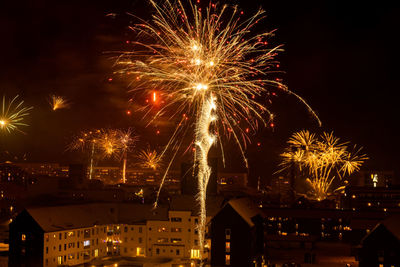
12,114
206,64
322,159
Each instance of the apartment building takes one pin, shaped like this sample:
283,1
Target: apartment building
78,234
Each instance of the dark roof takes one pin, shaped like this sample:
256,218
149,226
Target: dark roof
247,209
61,218
392,224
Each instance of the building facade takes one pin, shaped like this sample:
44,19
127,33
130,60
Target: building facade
79,234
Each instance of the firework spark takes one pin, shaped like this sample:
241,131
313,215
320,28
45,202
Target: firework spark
149,159
208,68
58,102
322,159
13,114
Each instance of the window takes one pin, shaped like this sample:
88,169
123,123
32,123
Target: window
176,219
227,259
177,252
140,240
227,246
227,233
23,237
195,253
157,251
86,243
96,252
71,256
139,251
65,235
126,229
196,220
176,230
59,260
60,236
86,233
77,244
176,240
47,238
162,240
59,247
47,250
163,229
65,246
196,242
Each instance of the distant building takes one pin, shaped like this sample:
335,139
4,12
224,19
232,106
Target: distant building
381,247
78,234
385,199
237,235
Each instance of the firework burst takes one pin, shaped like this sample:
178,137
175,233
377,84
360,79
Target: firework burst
12,115
321,159
58,102
87,141
206,64
150,159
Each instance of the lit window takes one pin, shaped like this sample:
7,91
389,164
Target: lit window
227,259
228,246
176,240
86,243
23,237
195,253
59,260
139,251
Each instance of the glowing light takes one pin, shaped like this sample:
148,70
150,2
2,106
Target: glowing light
58,102
175,62
321,160
12,115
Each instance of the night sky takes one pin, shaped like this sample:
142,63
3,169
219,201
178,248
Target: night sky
341,56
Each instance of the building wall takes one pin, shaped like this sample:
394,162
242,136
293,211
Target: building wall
231,239
74,246
26,242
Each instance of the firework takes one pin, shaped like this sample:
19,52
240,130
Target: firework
58,102
149,159
13,114
321,159
208,68
126,140
87,141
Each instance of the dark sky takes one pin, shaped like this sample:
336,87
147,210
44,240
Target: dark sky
341,56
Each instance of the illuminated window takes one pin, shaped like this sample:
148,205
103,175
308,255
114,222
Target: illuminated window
176,240
59,260
374,178
227,259
228,246
139,251
23,237
195,253
86,243
96,252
